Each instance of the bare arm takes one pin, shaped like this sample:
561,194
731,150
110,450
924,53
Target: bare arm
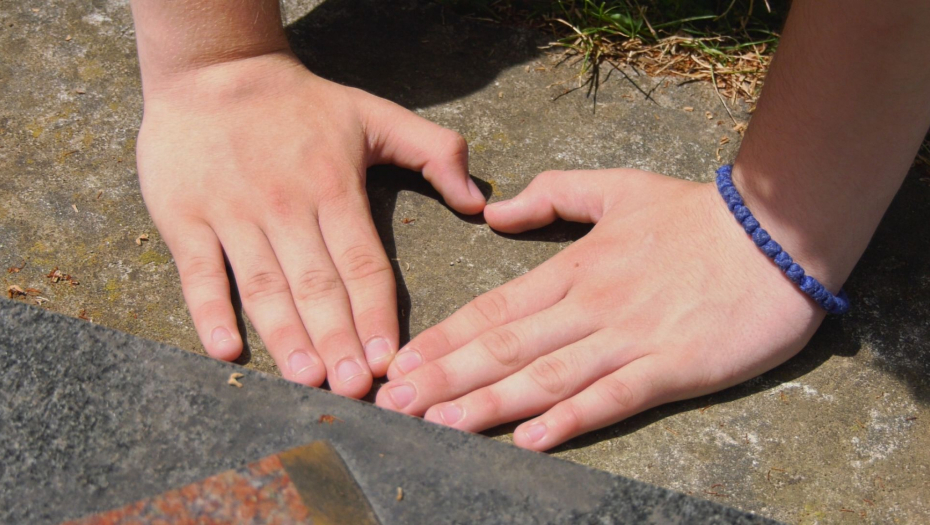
177,37
845,107
667,298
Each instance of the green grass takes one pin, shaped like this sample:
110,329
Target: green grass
729,42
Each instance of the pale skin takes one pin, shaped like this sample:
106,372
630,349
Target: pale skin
665,299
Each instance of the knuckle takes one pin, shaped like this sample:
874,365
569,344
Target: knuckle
489,401
552,375
572,420
201,270
493,307
503,345
616,392
315,284
362,262
333,189
455,144
280,336
261,285
547,177
211,309
338,340
278,201
440,377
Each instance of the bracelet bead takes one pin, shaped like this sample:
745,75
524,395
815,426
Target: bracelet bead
833,304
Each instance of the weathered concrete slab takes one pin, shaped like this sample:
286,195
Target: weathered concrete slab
92,419
829,432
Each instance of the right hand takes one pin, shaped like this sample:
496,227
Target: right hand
261,160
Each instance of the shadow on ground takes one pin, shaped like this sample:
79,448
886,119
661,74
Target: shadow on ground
408,52
415,55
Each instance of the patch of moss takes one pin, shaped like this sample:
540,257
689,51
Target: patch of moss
153,256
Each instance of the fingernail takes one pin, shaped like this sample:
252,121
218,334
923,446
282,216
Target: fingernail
473,189
347,370
222,339
299,361
535,432
408,360
451,414
402,394
376,349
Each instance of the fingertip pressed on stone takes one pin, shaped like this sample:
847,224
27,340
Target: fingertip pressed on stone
451,414
377,349
223,342
408,360
535,432
348,370
299,361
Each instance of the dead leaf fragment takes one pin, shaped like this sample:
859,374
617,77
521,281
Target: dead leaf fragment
33,291
56,276
328,419
68,38
407,220
689,109
709,115
80,91
15,291
74,207
400,493
724,140
232,381
16,269
142,238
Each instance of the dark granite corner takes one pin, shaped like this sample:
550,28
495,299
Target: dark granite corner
91,419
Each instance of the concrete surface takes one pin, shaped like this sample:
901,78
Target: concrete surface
106,439
838,434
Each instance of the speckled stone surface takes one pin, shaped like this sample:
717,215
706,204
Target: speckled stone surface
837,433
92,419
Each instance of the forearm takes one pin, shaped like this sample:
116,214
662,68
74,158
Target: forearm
177,36
845,107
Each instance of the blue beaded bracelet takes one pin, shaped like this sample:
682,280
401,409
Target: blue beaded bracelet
833,304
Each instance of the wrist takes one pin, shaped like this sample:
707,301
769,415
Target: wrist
176,38
221,84
801,220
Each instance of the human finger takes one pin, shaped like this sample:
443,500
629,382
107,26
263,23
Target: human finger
489,358
640,385
266,298
400,137
321,300
532,292
199,258
550,195
352,240
537,387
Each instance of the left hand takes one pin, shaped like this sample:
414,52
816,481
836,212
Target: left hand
665,299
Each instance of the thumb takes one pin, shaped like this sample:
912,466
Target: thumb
550,196
400,137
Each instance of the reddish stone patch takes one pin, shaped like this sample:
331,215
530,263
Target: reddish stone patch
261,492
